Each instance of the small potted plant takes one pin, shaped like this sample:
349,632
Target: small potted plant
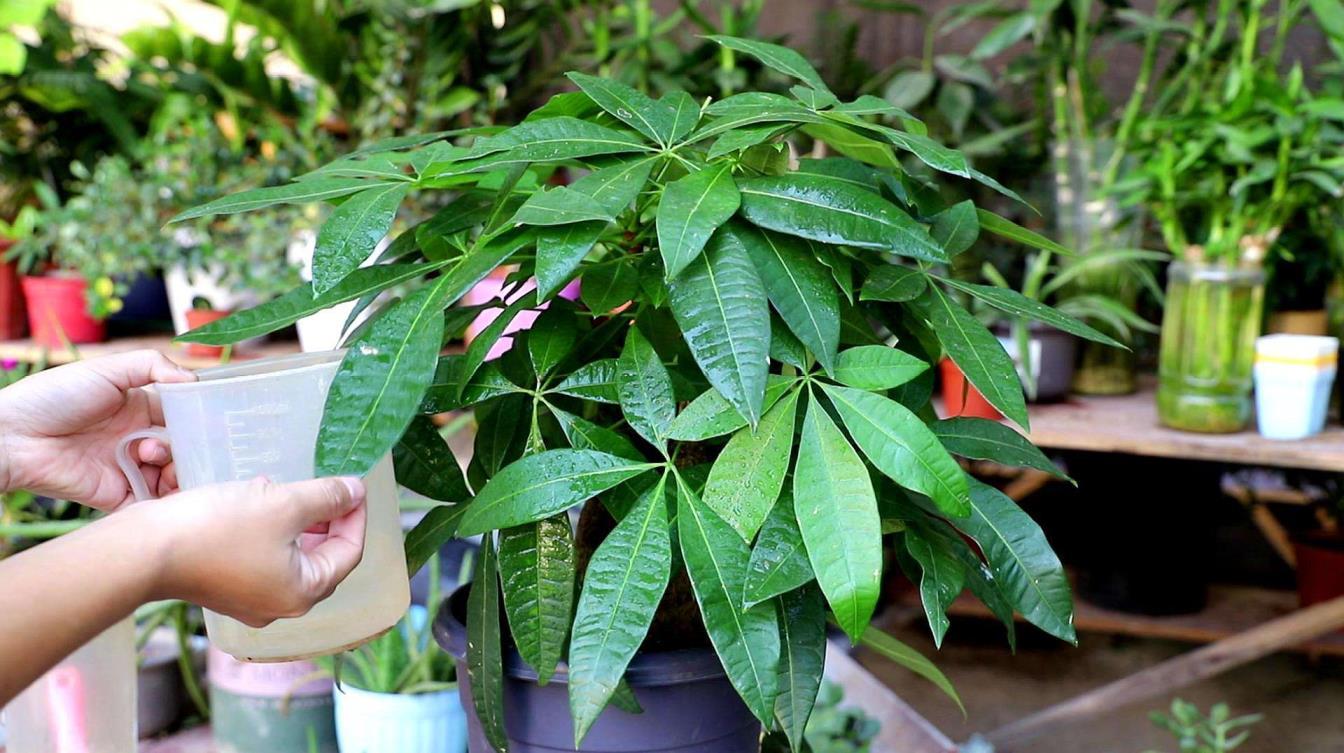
725,512
13,321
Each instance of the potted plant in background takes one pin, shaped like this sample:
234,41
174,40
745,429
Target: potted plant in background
697,218
13,315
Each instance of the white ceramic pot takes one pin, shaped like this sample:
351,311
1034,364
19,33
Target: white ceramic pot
1293,376
185,286
391,723
325,329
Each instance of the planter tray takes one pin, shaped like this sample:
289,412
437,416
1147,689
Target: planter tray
26,351
1128,424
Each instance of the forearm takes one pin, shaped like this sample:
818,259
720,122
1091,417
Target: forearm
59,595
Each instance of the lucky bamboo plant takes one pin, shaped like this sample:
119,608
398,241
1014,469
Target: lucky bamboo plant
743,386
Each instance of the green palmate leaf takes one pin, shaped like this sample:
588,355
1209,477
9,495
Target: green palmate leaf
687,112
893,650
432,532
426,466
746,640
691,209
979,579
785,347
982,439
537,565
956,228
744,138
555,139
352,231
551,338
559,252
1015,303
485,655
941,581
854,145
976,351
541,485
1021,559
779,561
300,302
560,206
720,304
483,343
586,435
902,447
304,192
645,389
877,367
868,104
625,700
377,166
616,185
802,657
750,109
709,415
749,473
1014,232
377,390
780,58
893,283
657,120
595,380
622,588
813,98
828,210
800,289
502,434
607,287
837,515
445,392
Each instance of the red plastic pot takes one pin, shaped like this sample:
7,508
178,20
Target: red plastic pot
58,312
200,318
13,318
1320,567
962,399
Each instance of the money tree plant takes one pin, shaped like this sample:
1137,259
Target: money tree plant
741,389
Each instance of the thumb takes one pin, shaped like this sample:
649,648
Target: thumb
319,500
324,566
138,368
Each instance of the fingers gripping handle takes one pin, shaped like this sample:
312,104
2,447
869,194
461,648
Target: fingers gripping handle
128,464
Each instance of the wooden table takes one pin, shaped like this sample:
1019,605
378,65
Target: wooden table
26,351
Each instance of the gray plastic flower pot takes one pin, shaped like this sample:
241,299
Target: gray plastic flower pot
689,705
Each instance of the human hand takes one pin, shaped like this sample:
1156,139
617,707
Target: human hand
59,428
239,549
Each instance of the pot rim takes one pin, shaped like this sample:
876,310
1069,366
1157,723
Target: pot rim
350,690
647,669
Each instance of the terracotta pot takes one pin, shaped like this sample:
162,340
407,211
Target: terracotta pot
200,318
1320,567
58,312
960,398
13,317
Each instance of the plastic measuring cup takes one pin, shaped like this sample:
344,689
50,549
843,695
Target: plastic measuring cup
261,418
85,704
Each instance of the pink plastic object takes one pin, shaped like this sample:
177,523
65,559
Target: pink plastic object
66,699
490,289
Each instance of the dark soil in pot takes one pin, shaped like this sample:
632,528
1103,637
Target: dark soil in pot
1053,356
689,704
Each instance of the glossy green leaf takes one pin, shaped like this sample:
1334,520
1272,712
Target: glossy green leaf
489,336
377,389
554,139
426,466
624,698
304,192
750,109
430,534
560,206
622,588
300,302
1021,559
779,561
352,231
837,514
616,184
813,98
854,145
537,566
827,210
893,283
445,392
691,209
896,651
778,57
709,415
941,580
982,439
1003,228
551,338
720,304
799,287
586,435
749,472
956,228
746,640
687,112
607,287
559,252
655,119
802,658
595,380
1015,303
909,88
541,485
786,348
645,389
902,447
976,351
1005,34
746,137
485,654
877,367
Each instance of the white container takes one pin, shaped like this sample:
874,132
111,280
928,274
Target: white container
395,723
86,704
259,418
325,329
1293,375
185,286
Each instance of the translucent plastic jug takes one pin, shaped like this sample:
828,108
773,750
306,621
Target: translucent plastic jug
261,418
86,704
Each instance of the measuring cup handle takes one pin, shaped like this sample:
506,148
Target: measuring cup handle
128,464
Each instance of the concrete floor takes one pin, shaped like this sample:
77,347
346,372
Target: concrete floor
1302,701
